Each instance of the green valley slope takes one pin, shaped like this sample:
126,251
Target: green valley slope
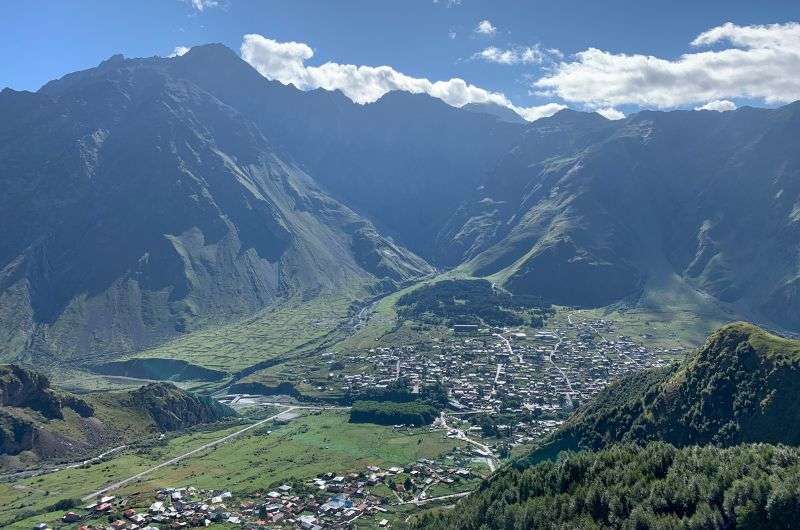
39,423
630,458
741,386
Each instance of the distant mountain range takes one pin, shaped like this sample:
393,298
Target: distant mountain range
147,197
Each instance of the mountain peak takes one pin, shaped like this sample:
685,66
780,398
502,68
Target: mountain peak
214,50
493,109
114,60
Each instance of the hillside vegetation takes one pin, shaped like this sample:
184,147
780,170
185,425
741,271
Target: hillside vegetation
742,386
657,487
40,423
472,302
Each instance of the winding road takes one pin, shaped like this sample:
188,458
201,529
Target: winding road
491,459
563,374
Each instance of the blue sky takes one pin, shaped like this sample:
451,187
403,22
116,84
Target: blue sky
613,56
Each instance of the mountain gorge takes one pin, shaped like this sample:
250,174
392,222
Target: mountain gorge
145,198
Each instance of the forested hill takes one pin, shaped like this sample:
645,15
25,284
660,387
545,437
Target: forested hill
657,487
742,386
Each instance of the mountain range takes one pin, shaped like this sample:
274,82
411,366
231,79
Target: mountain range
145,198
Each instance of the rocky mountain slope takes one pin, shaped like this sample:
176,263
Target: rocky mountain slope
587,212
38,422
137,205
149,197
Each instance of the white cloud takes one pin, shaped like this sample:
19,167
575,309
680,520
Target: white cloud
485,28
178,51
719,105
756,62
201,5
611,113
542,111
285,62
449,3
451,34
518,55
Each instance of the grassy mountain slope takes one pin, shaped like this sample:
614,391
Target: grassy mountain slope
589,212
38,422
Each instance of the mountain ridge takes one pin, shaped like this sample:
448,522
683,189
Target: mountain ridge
150,197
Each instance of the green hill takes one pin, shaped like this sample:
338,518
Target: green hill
742,386
657,487
39,423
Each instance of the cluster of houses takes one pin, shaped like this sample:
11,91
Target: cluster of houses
328,501
543,377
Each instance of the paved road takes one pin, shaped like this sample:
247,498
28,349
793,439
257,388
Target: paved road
177,459
498,372
28,473
434,499
564,375
510,352
491,458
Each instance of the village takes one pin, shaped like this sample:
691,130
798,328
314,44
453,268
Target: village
525,381
537,377
327,501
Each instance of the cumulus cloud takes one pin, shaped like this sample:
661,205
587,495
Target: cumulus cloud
719,105
451,34
485,27
757,62
285,62
517,55
178,51
537,113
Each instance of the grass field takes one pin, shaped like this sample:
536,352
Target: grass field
292,326
308,445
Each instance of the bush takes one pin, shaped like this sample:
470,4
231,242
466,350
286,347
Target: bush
393,413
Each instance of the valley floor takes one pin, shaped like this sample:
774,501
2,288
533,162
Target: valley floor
295,450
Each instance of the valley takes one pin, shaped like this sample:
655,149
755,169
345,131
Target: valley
227,302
